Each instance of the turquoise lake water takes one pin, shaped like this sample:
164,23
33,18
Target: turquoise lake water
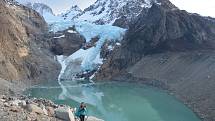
117,101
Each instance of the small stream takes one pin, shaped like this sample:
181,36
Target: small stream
113,101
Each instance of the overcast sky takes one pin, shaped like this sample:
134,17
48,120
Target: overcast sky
203,7
59,6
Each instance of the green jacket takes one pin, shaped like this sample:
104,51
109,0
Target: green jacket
81,111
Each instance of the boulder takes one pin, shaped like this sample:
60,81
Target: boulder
43,108
2,100
64,113
14,102
6,104
22,103
3,96
50,111
18,103
34,108
15,109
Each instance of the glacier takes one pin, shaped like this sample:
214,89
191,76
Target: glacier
89,59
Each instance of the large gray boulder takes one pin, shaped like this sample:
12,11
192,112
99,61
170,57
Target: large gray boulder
64,113
34,108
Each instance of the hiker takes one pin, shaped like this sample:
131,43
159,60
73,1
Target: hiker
81,112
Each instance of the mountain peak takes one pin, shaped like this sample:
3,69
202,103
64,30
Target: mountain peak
107,11
71,13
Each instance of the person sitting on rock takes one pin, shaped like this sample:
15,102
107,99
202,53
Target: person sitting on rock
81,112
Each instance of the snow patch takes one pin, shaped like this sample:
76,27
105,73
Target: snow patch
118,44
62,36
71,31
110,47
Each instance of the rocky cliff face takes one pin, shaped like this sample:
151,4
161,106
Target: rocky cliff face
162,30
22,54
172,49
66,42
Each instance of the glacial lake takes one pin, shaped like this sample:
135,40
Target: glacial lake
116,101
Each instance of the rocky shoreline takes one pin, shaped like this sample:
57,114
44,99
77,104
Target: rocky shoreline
31,109
14,106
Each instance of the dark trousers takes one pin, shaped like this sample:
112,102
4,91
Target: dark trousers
82,117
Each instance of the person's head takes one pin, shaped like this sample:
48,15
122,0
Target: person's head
82,105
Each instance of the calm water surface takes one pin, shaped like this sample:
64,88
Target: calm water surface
117,101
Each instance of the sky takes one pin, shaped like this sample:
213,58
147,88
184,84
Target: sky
60,6
202,7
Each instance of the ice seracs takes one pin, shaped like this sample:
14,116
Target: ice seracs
90,58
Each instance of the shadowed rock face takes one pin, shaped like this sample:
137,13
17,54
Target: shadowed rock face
171,49
162,30
22,53
170,30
